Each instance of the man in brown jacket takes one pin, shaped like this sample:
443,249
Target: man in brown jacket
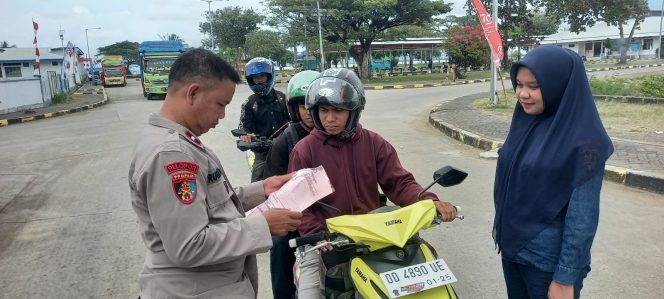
192,221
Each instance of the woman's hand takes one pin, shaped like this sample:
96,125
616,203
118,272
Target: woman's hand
558,290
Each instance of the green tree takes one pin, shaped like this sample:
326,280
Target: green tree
5,44
268,44
128,50
441,25
230,26
581,14
171,36
515,20
347,22
467,46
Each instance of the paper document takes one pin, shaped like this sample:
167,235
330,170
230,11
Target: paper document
305,188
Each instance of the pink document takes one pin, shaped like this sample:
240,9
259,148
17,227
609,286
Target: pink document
306,187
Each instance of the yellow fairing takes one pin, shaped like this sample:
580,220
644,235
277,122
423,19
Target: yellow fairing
385,229
362,276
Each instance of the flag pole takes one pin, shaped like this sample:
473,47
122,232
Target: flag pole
494,68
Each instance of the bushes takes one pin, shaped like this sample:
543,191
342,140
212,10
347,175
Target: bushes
59,98
649,86
614,86
653,86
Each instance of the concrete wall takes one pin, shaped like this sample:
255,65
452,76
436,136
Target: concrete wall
20,94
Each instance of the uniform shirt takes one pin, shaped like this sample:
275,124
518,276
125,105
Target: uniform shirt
199,244
264,115
356,167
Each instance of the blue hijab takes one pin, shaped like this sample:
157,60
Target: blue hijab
546,156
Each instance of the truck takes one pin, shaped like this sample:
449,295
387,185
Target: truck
156,58
113,71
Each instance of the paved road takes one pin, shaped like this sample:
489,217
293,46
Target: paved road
67,229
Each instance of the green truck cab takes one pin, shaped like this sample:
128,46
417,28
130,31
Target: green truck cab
156,60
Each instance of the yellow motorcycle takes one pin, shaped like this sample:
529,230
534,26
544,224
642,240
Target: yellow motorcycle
380,254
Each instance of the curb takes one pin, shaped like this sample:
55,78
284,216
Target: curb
12,121
422,85
631,178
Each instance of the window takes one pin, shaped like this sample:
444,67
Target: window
0,70
13,70
571,45
26,64
647,44
54,63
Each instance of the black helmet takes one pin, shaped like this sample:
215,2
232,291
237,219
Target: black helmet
339,88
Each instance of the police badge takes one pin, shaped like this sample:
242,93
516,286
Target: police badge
183,179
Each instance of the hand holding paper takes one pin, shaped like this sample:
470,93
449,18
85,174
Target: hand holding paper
306,187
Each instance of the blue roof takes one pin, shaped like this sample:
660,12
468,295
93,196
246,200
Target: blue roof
161,46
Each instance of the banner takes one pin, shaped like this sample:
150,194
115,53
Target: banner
490,32
37,70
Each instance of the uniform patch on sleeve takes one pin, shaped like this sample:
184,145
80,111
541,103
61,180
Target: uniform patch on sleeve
183,179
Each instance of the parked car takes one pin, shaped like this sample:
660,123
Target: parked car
134,71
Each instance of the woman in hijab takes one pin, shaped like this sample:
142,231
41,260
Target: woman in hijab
548,177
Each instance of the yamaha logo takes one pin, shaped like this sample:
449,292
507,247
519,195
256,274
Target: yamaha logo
393,221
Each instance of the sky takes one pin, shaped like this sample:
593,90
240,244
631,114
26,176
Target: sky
135,20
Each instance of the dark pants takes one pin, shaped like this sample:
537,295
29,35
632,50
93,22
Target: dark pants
259,165
528,282
282,258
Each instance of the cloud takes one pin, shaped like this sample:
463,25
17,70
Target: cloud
80,10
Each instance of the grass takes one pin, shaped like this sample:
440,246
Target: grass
614,63
426,78
60,98
644,86
618,117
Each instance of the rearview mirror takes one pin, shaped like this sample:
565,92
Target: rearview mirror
449,176
238,132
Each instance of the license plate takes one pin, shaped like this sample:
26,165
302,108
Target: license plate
417,278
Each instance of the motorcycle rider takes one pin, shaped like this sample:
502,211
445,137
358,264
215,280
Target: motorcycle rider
355,159
264,112
282,257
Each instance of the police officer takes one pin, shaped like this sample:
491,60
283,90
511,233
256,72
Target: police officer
192,221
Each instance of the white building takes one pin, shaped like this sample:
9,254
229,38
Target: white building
20,89
591,43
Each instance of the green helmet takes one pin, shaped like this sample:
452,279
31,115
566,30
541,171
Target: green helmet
297,90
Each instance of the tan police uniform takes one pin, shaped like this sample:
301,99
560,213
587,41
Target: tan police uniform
199,244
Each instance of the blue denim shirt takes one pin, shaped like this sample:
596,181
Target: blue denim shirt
564,246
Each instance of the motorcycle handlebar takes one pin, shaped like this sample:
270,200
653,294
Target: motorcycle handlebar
261,144
309,240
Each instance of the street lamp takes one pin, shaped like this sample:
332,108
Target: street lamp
62,64
661,17
320,40
209,16
91,68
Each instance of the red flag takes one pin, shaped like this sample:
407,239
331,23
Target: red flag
37,70
490,32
